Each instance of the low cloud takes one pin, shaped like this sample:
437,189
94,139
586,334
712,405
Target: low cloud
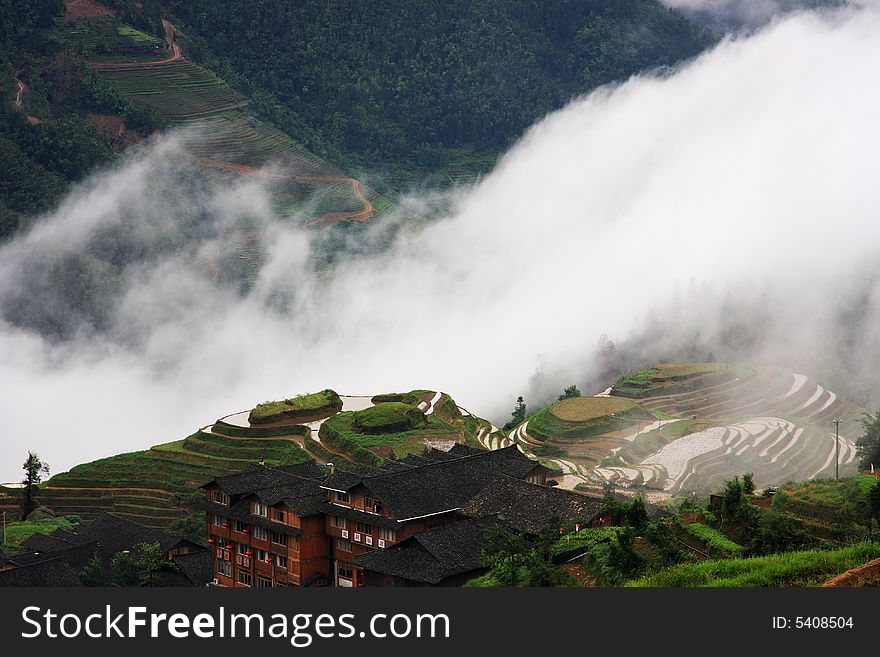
736,191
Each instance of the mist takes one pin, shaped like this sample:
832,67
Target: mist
729,205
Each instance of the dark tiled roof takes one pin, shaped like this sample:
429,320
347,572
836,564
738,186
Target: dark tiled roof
458,449
440,455
310,469
439,486
253,478
529,507
197,567
51,572
433,555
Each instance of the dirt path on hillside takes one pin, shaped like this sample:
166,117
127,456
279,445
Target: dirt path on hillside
151,490
329,218
170,39
21,89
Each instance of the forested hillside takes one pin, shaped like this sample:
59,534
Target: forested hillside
418,87
49,98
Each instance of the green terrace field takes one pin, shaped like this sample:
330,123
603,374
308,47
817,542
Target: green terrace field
153,487
584,417
388,430
156,487
671,378
827,506
219,129
177,91
805,568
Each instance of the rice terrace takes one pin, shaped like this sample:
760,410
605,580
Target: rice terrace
684,427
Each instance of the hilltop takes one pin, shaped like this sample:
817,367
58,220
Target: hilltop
156,487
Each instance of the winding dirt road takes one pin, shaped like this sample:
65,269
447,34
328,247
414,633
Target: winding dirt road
21,89
328,219
170,34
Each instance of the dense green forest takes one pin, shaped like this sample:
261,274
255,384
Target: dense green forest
48,141
412,87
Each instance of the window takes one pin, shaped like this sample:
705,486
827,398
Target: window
239,526
342,544
220,497
244,577
280,560
219,520
261,533
262,554
264,583
372,505
277,515
339,496
534,478
387,534
346,571
259,509
363,528
224,568
279,539
241,548
336,521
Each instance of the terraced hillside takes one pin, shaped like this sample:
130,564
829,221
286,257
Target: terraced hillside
688,426
217,128
155,487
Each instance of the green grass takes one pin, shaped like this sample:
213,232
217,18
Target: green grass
714,540
303,408
806,568
671,378
828,501
592,420
388,417
18,531
585,538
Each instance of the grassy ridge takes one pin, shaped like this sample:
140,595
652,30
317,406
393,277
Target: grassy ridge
806,568
303,408
671,378
714,540
589,419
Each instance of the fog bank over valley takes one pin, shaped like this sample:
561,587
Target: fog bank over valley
728,206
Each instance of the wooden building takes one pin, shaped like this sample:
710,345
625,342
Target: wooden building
299,526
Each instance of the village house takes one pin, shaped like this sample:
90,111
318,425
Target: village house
405,523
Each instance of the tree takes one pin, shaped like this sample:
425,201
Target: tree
504,554
34,470
748,483
569,392
150,562
868,445
518,416
710,358
636,514
732,505
124,570
874,506
94,573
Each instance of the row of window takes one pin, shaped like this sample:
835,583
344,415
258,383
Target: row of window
371,504
280,560
260,533
389,535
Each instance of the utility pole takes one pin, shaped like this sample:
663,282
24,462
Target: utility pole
836,449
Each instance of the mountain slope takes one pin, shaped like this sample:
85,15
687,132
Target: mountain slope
429,87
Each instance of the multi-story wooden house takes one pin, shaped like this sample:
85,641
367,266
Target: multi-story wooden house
296,525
